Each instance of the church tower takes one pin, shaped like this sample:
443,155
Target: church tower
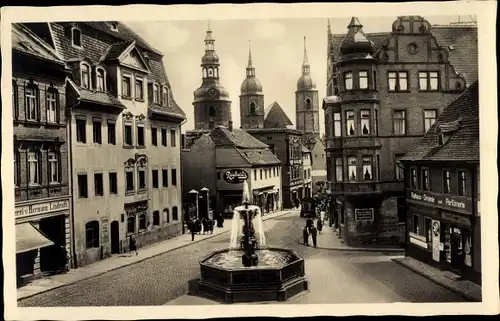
212,106
251,99
307,105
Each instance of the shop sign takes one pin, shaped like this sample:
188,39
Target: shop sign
364,214
440,201
436,240
235,176
418,240
456,218
104,230
41,208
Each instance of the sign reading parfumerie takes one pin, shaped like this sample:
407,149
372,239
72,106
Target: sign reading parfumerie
41,208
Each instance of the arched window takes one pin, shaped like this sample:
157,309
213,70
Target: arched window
165,96
100,79
252,108
34,167
204,72
308,103
76,37
54,159
156,94
32,97
175,214
92,234
85,81
52,105
142,221
216,72
210,72
131,224
211,111
156,218
166,215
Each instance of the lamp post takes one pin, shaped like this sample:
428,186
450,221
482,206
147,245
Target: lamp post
205,192
194,193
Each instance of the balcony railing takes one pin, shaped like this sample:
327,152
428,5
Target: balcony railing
353,142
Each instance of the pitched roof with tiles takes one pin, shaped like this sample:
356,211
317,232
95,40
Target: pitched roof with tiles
222,136
460,122
462,38
25,41
275,117
96,97
116,50
259,156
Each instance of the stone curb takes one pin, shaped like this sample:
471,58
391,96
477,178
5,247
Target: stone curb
354,249
438,282
139,260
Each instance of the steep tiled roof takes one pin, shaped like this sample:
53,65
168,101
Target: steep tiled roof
460,120
23,40
115,50
464,56
96,97
222,136
275,117
259,156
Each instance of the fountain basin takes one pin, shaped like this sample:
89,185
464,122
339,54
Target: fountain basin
279,275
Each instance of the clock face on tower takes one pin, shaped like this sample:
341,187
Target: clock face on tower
213,93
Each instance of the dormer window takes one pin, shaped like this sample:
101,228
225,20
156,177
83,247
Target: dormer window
85,83
114,26
165,96
76,37
156,94
100,78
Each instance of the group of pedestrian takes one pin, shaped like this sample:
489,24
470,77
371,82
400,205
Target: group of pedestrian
205,225
312,231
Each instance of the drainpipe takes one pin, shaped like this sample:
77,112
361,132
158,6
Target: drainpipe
181,145
71,180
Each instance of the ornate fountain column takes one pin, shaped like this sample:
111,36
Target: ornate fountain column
249,257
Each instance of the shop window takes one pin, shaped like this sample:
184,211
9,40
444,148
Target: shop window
367,168
142,222
83,189
140,135
98,184
425,179
164,177
446,181
97,131
365,122
131,225
467,240
413,178
351,163
175,213
398,81
139,89
416,224
113,183
128,140
399,122
348,80
173,138
154,174
154,136
52,105
34,167
462,183
141,172
32,102
129,181
428,230
81,130
363,79
164,137
350,126
174,177
54,167
111,132
430,116
92,234
156,218
428,80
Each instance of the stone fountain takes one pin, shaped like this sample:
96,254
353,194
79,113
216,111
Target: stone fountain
249,270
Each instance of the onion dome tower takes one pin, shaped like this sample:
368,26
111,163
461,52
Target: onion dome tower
212,106
251,99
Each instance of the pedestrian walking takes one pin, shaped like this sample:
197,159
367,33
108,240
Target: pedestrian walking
192,228
314,234
132,245
319,225
305,235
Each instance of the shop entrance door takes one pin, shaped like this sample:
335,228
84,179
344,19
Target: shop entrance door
52,258
456,248
115,237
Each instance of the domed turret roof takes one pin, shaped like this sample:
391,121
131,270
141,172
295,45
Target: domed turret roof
205,93
210,58
305,81
356,41
251,85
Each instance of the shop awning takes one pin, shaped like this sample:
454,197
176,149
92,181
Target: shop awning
30,238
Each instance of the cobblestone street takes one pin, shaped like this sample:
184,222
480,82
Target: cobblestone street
335,276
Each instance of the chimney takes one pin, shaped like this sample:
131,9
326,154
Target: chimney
230,125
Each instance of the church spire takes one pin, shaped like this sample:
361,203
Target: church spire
209,39
305,64
250,67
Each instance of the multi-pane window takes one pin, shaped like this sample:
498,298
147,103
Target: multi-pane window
462,183
54,176
52,105
129,181
399,122
446,181
142,178
97,131
154,174
154,136
100,80
111,132
32,102
126,87
85,76
98,184
339,175
351,168
365,122
350,125
337,126
156,94
92,234
83,189
81,130
164,177
376,122
139,89
164,137
425,179
76,36
428,80
34,168
172,138
348,80
367,168
413,178
140,135
174,177
363,79
165,96
113,183
398,80
399,168
128,135
430,116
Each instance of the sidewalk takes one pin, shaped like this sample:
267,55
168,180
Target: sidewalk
328,240
467,289
121,260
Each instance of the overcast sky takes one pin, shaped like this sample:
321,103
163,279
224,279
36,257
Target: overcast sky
277,53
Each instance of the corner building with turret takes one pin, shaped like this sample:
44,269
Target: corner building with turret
384,91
